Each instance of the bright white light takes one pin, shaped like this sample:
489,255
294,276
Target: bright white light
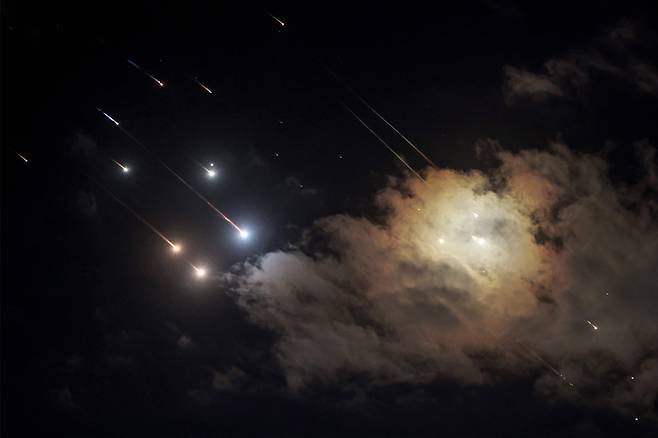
478,240
475,215
200,272
126,169
244,234
212,165
175,248
442,241
212,173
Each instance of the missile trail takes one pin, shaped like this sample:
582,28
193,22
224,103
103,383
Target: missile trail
385,144
430,162
200,271
243,233
174,247
109,118
22,157
145,72
123,168
210,172
374,111
203,86
281,23
594,326
177,176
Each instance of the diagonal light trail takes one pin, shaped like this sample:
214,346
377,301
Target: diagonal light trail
384,143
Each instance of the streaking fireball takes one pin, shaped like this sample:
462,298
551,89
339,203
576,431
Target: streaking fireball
124,169
109,118
157,81
594,326
206,89
199,271
281,23
180,178
22,157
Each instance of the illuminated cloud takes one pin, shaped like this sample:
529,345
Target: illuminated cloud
432,291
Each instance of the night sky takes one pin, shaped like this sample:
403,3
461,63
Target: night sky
509,290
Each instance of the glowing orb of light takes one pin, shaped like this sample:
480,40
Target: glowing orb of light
126,169
175,248
200,272
479,240
244,234
211,173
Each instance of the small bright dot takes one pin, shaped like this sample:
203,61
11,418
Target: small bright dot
212,173
212,164
632,377
475,215
636,419
442,241
418,209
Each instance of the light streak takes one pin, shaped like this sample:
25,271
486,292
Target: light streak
22,157
175,248
203,86
277,20
180,178
199,271
125,169
157,81
374,111
594,326
385,144
108,116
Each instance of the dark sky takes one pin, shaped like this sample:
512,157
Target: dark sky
105,334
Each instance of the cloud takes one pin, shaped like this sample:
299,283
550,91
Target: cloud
228,380
473,274
617,54
521,83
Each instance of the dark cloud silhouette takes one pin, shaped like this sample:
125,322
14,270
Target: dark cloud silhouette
620,53
472,274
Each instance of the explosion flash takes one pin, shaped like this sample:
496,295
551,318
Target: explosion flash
124,169
281,23
22,157
106,115
157,81
203,86
594,326
385,144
